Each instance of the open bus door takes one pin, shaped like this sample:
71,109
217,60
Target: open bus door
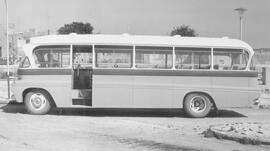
82,75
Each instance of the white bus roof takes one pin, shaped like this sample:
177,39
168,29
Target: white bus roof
126,39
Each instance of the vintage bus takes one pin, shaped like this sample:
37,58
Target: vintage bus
133,71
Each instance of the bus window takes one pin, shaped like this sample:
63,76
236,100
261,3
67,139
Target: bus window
230,59
113,56
52,56
82,55
252,64
192,58
183,59
153,57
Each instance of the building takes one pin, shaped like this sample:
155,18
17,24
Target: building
262,56
12,43
16,41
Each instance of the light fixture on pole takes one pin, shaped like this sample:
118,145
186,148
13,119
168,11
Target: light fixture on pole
241,15
7,45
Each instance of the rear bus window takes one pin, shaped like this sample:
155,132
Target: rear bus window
52,56
230,59
113,56
154,57
192,58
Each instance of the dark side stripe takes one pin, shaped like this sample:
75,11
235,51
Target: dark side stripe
175,73
44,71
143,72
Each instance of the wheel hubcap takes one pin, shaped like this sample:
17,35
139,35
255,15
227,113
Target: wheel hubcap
38,101
198,104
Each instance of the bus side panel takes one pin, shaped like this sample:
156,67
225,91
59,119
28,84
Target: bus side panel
255,91
231,91
153,92
112,91
185,84
59,87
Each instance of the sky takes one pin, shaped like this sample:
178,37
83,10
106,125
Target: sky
209,18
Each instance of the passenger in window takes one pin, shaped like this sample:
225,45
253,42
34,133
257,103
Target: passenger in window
53,61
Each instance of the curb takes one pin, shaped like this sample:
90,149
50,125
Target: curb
245,133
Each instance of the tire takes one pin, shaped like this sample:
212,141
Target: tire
37,102
197,105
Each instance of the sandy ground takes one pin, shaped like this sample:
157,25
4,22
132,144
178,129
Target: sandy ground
118,130
157,130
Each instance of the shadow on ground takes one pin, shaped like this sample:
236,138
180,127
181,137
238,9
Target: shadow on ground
14,107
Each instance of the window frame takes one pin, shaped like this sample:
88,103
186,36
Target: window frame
194,50
84,51
231,51
145,48
51,48
128,49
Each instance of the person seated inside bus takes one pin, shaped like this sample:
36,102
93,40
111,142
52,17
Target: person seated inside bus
54,63
216,66
47,60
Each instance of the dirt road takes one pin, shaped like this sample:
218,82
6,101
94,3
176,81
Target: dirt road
118,130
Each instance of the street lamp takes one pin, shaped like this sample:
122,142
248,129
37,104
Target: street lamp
7,45
241,14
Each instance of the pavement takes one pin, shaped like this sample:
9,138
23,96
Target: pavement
254,133
245,132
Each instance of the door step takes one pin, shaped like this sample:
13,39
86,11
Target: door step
82,94
82,101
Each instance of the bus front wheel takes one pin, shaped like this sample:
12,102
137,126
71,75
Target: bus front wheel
37,102
197,105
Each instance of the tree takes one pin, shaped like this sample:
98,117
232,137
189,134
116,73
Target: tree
76,27
184,31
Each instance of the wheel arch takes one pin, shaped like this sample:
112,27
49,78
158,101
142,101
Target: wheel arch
41,89
204,93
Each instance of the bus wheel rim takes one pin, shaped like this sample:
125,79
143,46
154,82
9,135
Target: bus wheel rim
198,104
38,101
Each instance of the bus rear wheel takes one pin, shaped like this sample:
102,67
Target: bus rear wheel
37,102
197,105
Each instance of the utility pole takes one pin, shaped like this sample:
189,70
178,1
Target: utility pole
241,15
7,31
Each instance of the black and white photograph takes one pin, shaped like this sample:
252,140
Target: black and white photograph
134,75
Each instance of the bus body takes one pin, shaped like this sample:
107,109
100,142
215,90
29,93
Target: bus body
128,71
